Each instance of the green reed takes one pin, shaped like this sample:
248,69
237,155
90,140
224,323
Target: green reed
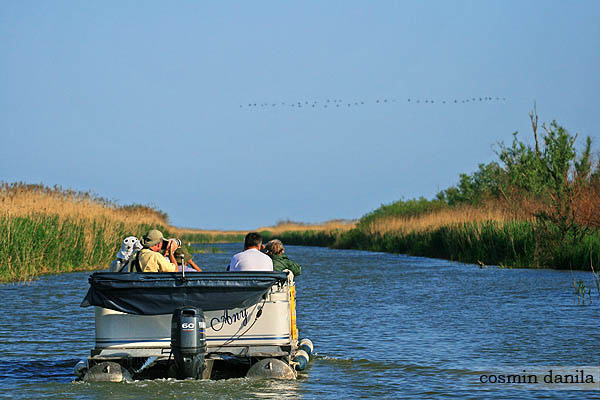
581,290
304,237
203,238
44,243
507,244
208,250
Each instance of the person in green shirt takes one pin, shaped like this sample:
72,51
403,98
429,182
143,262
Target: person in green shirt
274,248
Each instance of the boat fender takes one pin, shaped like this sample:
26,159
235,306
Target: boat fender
271,368
301,360
107,371
306,345
80,368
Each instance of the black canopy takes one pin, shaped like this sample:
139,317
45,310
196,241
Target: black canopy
161,293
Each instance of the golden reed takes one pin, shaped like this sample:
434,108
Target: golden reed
291,226
51,230
445,217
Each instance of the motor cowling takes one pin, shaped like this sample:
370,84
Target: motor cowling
188,342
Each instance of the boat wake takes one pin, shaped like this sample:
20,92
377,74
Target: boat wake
381,365
38,370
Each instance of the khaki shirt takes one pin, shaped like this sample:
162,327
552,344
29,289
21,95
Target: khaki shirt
151,261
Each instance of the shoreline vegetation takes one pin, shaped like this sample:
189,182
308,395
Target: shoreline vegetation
47,230
537,206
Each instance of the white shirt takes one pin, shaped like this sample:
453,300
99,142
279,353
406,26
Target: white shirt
251,260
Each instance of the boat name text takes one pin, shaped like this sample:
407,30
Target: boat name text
217,323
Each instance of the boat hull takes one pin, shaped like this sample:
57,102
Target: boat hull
236,338
224,328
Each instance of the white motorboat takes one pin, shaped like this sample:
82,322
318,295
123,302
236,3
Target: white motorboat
198,325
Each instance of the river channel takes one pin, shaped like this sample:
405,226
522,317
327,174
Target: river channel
383,325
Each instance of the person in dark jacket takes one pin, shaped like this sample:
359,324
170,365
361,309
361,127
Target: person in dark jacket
274,248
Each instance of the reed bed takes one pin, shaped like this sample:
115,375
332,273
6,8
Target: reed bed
492,234
436,219
508,243
209,236
323,234
19,199
52,230
292,226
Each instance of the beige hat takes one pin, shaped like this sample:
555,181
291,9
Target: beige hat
153,237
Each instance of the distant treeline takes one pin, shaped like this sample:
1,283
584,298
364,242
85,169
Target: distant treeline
536,206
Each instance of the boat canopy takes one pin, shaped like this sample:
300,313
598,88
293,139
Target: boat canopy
156,293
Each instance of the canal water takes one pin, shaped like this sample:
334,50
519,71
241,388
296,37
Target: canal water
383,325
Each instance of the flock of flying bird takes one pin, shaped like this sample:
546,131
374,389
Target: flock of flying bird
337,103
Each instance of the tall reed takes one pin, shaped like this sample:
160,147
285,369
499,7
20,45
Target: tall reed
51,230
489,234
323,234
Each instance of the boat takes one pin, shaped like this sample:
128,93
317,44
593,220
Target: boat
198,325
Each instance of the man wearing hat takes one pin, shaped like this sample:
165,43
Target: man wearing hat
150,258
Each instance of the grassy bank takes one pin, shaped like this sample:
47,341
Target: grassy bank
39,244
47,230
465,235
302,234
51,230
204,237
504,243
537,206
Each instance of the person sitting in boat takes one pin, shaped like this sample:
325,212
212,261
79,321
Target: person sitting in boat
150,259
251,259
274,249
182,253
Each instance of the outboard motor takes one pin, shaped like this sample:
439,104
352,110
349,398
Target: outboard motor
188,343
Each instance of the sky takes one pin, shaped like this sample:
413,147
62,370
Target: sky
153,102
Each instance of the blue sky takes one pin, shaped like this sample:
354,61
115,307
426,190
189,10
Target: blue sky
140,101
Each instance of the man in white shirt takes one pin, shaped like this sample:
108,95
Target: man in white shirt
251,259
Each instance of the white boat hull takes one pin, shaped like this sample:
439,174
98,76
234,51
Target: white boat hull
225,329
141,344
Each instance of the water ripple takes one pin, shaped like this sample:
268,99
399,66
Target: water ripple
383,325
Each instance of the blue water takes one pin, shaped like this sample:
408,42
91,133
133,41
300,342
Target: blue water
383,325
